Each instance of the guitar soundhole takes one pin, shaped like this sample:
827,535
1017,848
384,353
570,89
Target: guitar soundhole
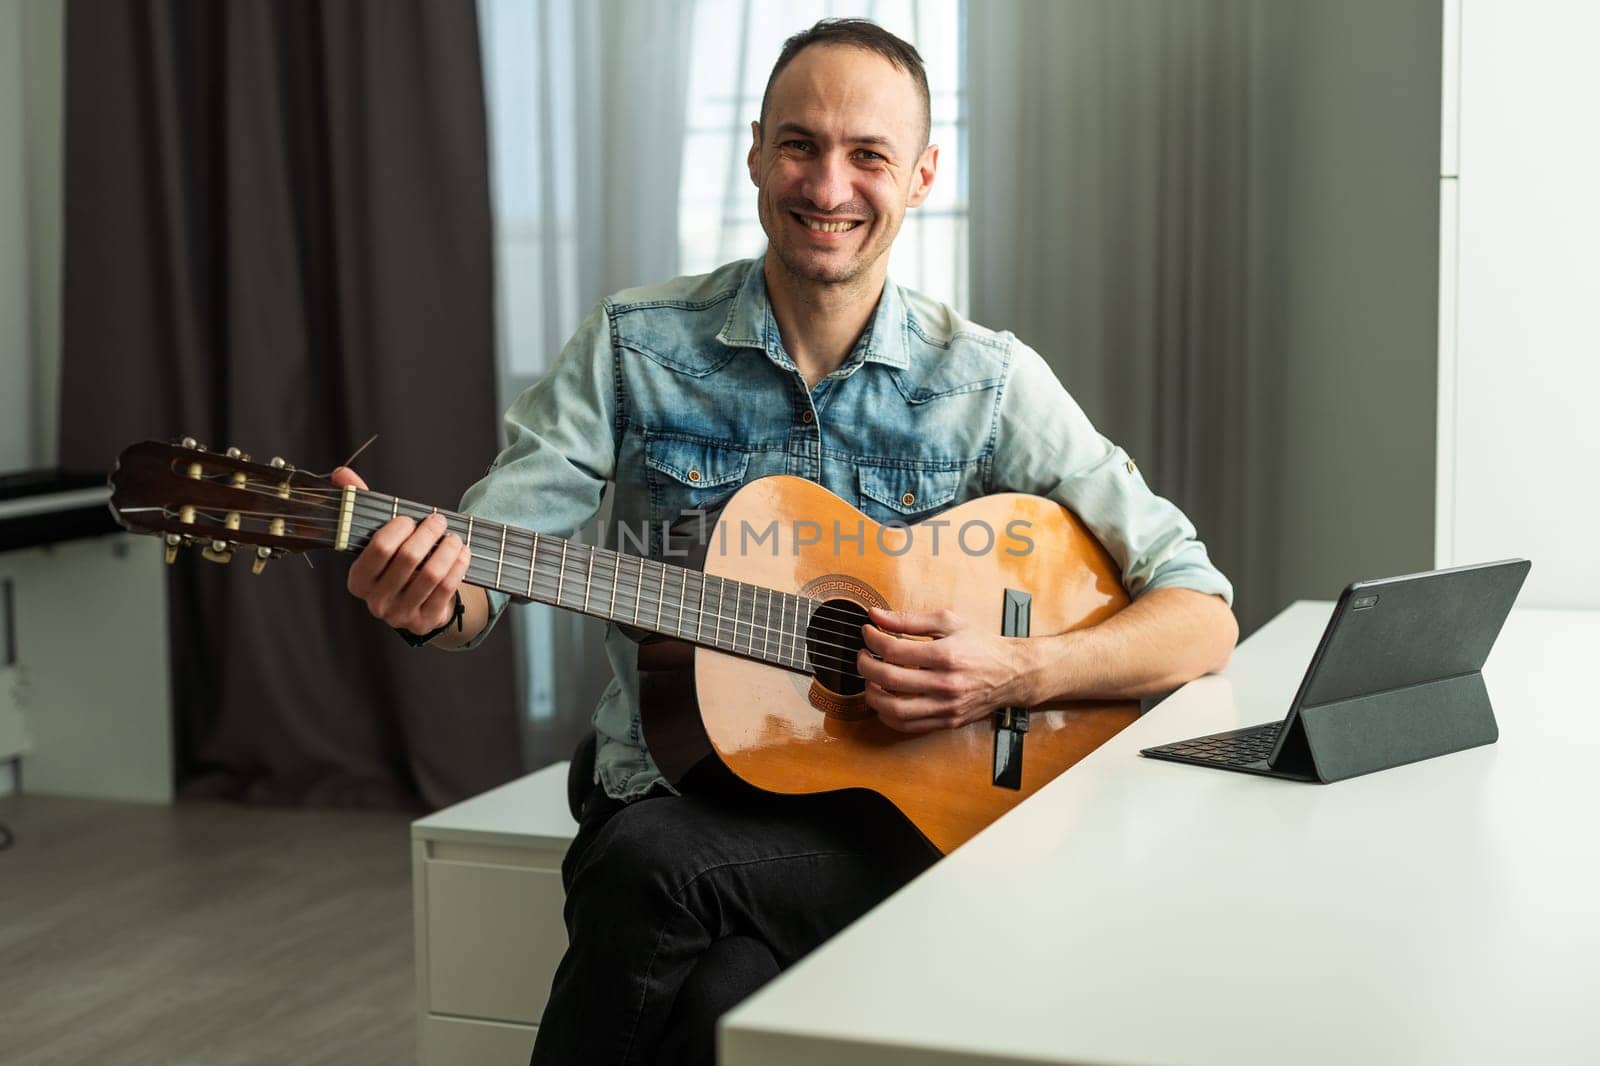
832,640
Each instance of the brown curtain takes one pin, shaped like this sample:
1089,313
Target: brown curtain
278,237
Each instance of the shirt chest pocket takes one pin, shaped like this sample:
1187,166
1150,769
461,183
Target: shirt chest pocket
905,494
687,473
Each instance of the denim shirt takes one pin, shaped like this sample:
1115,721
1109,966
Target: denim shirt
679,393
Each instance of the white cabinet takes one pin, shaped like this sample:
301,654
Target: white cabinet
486,883
88,690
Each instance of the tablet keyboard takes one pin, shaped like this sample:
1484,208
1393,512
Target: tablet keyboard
1239,747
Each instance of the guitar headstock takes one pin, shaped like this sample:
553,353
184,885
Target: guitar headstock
221,501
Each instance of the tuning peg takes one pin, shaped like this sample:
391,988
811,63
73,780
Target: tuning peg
260,563
189,442
174,542
235,453
218,552
278,463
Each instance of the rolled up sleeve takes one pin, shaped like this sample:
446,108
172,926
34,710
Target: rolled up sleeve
560,448
1045,445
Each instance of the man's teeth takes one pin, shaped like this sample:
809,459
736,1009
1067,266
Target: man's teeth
829,227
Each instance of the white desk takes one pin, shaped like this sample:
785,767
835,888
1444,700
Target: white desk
1137,911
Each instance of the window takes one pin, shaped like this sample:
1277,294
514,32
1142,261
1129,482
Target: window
735,44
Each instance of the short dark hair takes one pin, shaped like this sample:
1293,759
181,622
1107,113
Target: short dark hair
856,33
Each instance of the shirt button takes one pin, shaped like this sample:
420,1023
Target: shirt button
909,498
807,417
694,475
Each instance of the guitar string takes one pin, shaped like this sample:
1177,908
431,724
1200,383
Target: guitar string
847,652
842,657
847,629
840,661
372,510
729,631
369,507
658,587
617,581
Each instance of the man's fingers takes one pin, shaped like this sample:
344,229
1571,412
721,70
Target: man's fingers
374,558
915,623
909,714
427,578
344,477
440,605
925,654
409,557
901,678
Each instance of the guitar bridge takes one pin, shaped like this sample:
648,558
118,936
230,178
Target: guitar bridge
1011,723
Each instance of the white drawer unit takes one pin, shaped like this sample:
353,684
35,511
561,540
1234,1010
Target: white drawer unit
486,888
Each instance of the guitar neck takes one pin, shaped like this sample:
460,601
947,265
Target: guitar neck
748,620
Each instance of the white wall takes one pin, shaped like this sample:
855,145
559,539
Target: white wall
30,230
1521,453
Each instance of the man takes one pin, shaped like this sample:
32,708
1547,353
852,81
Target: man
804,362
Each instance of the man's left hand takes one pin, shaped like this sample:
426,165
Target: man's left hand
958,675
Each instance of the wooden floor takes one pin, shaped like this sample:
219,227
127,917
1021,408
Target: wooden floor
203,934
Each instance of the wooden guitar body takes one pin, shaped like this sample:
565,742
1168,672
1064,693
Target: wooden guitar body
770,628
786,732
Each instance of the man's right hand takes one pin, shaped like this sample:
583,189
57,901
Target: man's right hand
408,574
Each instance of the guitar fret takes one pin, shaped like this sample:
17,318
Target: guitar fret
661,593
588,579
469,532
738,603
802,619
755,599
799,633
394,508
616,576
722,588
533,561
561,573
501,562
767,631
700,615
638,592
755,620
783,625
683,594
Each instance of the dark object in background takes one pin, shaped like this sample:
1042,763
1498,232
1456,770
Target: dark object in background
40,507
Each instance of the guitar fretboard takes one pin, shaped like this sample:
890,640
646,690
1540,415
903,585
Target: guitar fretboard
733,616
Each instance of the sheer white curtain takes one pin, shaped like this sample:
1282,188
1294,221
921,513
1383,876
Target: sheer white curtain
618,131
1122,226
587,110
586,106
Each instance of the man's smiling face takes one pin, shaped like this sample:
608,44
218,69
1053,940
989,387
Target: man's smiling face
839,159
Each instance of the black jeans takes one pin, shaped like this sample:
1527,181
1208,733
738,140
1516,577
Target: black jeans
731,881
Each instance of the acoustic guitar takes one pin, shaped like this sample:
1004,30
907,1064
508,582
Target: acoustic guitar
773,616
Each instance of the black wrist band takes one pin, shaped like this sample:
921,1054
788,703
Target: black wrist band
455,619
